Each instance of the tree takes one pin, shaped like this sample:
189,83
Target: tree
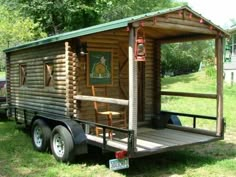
110,10
15,29
182,58
57,16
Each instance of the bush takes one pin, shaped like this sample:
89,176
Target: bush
184,58
210,72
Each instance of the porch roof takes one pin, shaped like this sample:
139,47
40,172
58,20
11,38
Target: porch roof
108,26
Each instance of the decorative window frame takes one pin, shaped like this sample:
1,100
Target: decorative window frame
48,75
23,74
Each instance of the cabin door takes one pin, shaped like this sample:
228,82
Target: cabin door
124,79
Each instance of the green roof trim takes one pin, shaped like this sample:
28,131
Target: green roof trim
101,27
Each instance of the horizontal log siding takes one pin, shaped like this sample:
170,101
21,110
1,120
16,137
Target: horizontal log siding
149,73
105,40
86,110
71,79
35,96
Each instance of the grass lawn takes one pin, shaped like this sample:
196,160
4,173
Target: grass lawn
217,159
2,74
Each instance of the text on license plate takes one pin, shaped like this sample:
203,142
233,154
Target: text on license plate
118,164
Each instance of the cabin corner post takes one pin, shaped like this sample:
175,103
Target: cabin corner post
219,66
8,87
75,82
69,79
133,86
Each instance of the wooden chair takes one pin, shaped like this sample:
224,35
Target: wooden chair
103,114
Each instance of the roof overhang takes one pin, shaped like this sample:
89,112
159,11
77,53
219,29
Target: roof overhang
126,22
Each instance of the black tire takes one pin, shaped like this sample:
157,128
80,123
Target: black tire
174,120
62,145
41,134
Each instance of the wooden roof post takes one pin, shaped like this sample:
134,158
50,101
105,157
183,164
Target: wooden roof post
133,86
219,65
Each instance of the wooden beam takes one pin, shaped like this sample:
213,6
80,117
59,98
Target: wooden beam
133,86
180,27
187,38
219,64
183,94
102,99
192,130
182,21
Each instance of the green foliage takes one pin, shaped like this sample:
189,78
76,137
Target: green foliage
15,29
110,10
210,71
57,16
182,58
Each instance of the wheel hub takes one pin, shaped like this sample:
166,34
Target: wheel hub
58,145
38,140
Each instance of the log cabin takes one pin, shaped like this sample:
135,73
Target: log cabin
51,85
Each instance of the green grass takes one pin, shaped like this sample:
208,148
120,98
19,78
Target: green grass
199,82
217,159
2,74
17,158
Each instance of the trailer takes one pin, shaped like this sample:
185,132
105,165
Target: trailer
55,84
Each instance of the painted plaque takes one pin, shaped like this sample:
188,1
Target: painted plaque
99,71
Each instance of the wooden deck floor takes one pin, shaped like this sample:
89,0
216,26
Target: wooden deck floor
151,141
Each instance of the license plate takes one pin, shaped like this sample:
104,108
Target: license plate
118,164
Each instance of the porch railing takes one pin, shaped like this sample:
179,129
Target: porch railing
102,99
130,134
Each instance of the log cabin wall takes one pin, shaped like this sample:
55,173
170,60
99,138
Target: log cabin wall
71,77
117,41
70,71
34,96
149,78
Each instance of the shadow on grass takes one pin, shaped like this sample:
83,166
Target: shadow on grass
164,164
167,99
167,163
175,162
3,115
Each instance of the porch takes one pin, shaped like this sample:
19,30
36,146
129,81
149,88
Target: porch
137,85
151,141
